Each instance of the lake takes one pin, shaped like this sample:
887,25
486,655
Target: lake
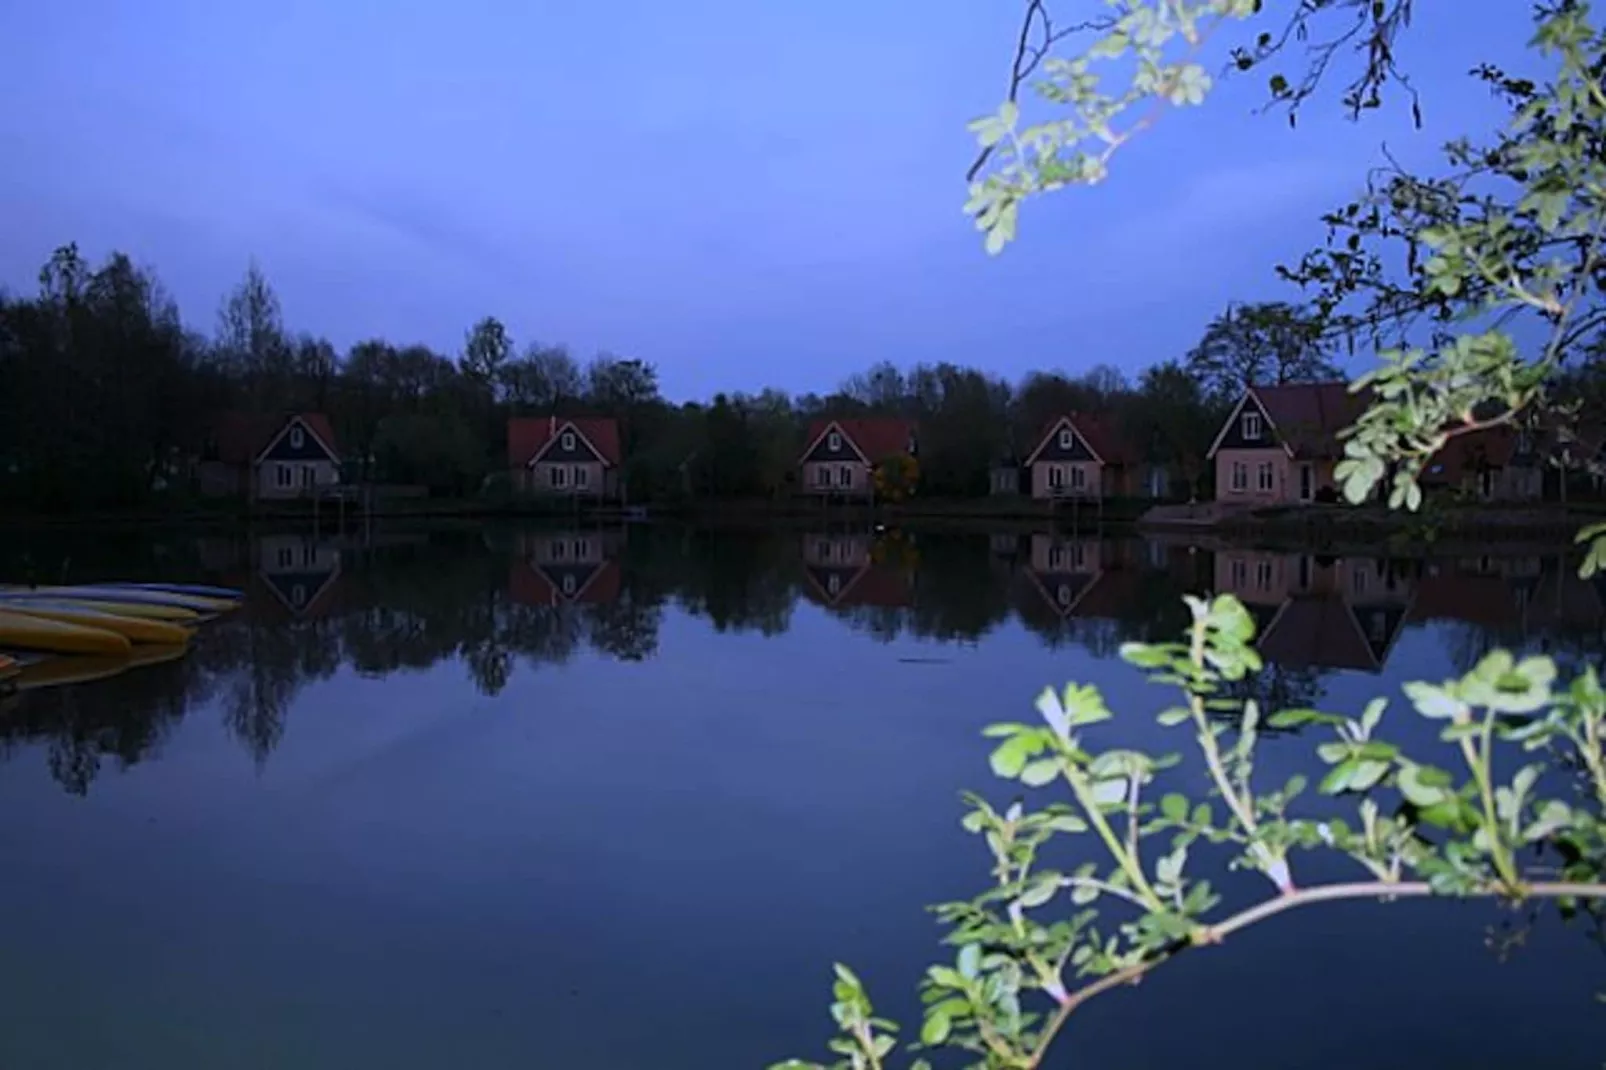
607,798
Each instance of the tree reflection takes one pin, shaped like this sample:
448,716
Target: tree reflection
505,601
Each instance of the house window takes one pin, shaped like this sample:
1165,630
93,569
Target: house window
1078,557
568,440
1078,478
1357,580
833,585
568,583
582,549
559,549
1157,483
309,476
558,475
298,437
1066,438
287,557
1263,575
822,476
1056,558
833,441
1379,626
1056,475
308,553
582,477
844,476
1264,476
284,476
1252,427
298,595
1240,475
1240,572
822,550
1062,594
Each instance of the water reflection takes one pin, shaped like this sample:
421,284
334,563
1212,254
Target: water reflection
503,602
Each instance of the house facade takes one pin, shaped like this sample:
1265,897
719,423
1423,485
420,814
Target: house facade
270,457
566,568
1497,464
569,457
1280,444
1085,455
840,455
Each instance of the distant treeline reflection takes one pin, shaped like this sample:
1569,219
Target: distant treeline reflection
501,602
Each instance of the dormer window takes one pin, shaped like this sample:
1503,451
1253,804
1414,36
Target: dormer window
833,441
1252,426
1066,438
298,437
568,440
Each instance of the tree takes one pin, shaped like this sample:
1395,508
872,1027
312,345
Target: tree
1170,419
486,354
251,339
1265,344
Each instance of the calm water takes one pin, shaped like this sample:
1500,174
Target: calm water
547,798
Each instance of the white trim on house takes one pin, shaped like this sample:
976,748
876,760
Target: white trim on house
824,431
329,451
557,436
1237,411
1063,421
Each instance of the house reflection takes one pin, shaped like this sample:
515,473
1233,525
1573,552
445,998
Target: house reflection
1078,575
855,569
569,567
1318,611
301,572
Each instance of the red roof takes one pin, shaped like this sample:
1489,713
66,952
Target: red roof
1316,632
242,436
1467,454
1309,416
877,437
528,435
1101,433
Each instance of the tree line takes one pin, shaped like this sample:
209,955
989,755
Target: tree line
109,393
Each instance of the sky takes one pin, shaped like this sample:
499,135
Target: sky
742,194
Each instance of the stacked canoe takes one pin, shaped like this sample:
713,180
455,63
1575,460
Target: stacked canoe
68,634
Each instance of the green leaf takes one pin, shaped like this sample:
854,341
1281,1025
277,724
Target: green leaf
936,1028
969,961
1174,807
1373,714
1040,772
1417,788
1174,716
1433,702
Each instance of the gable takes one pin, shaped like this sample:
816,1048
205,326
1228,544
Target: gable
570,581
568,446
1063,443
297,441
1233,434
299,591
1063,590
1379,625
833,445
832,583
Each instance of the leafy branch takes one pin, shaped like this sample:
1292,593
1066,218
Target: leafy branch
1474,838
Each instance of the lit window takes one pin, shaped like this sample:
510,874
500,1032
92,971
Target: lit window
1251,426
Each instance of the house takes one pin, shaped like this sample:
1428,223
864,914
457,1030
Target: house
1500,463
1280,444
270,457
1317,611
564,456
566,568
841,455
301,572
843,571
1085,455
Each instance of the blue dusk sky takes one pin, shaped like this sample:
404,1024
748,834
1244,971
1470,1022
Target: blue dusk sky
745,194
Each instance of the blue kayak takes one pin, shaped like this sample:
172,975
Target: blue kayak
200,590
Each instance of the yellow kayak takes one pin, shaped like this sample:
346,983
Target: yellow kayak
58,672
135,629
19,630
142,610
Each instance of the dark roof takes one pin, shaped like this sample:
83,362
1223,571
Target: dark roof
1309,416
527,435
1467,453
242,436
877,437
1100,431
